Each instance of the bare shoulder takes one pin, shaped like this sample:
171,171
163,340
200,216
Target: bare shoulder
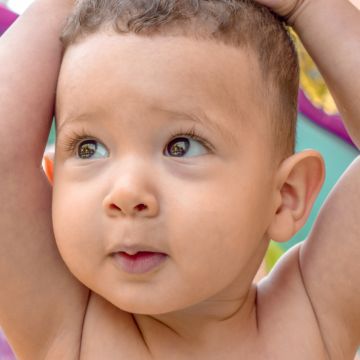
330,265
315,288
286,319
41,304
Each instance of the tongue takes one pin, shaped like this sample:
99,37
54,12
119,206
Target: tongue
139,254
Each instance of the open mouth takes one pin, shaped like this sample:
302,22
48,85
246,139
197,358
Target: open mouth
140,262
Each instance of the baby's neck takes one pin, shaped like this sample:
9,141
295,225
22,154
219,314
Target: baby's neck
206,325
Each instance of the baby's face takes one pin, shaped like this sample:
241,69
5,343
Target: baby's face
173,157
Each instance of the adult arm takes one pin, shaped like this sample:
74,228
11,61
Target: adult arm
38,294
329,261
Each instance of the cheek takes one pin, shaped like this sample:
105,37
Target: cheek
75,230
221,221
214,233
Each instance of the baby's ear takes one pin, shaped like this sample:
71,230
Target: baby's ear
298,182
48,165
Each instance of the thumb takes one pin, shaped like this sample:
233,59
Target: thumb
284,8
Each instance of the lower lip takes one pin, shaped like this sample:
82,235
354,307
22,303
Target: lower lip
141,262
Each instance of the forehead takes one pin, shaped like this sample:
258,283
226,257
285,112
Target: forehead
115,73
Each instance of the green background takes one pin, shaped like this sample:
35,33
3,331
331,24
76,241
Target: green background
337,155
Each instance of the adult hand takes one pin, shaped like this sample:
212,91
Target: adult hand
285,8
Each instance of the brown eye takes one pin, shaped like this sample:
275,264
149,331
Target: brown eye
178,147
88,148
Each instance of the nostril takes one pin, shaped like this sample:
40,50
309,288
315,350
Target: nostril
114,207
140,207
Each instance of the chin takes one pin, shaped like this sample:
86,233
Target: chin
148,307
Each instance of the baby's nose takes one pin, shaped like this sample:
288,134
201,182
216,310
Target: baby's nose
131,200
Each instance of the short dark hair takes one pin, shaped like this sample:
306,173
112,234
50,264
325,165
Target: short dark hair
236,23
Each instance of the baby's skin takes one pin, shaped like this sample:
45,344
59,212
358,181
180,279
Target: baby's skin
68,291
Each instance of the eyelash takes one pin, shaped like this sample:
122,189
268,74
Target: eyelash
70,142
194,135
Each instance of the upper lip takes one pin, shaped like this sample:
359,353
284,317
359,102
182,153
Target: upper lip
133,249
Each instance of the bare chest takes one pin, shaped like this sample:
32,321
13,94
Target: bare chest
119,338
130,347
116,336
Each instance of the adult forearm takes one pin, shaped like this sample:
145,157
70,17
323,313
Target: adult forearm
334,43
30,56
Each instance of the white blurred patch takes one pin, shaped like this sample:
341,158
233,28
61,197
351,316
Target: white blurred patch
19,6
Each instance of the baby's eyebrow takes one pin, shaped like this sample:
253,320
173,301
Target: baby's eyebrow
218,127
198,116
81,118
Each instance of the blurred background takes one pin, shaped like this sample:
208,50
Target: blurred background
19,6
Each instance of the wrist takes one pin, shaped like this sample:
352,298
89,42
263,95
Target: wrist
300,13
67,5
54,12
312,13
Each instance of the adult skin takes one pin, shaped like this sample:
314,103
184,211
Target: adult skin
323,31
342,48
32,45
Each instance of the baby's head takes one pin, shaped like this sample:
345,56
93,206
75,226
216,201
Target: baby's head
176,126
242,25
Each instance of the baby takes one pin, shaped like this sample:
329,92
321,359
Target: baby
174,167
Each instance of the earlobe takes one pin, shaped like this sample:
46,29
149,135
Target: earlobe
299,180
48,166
